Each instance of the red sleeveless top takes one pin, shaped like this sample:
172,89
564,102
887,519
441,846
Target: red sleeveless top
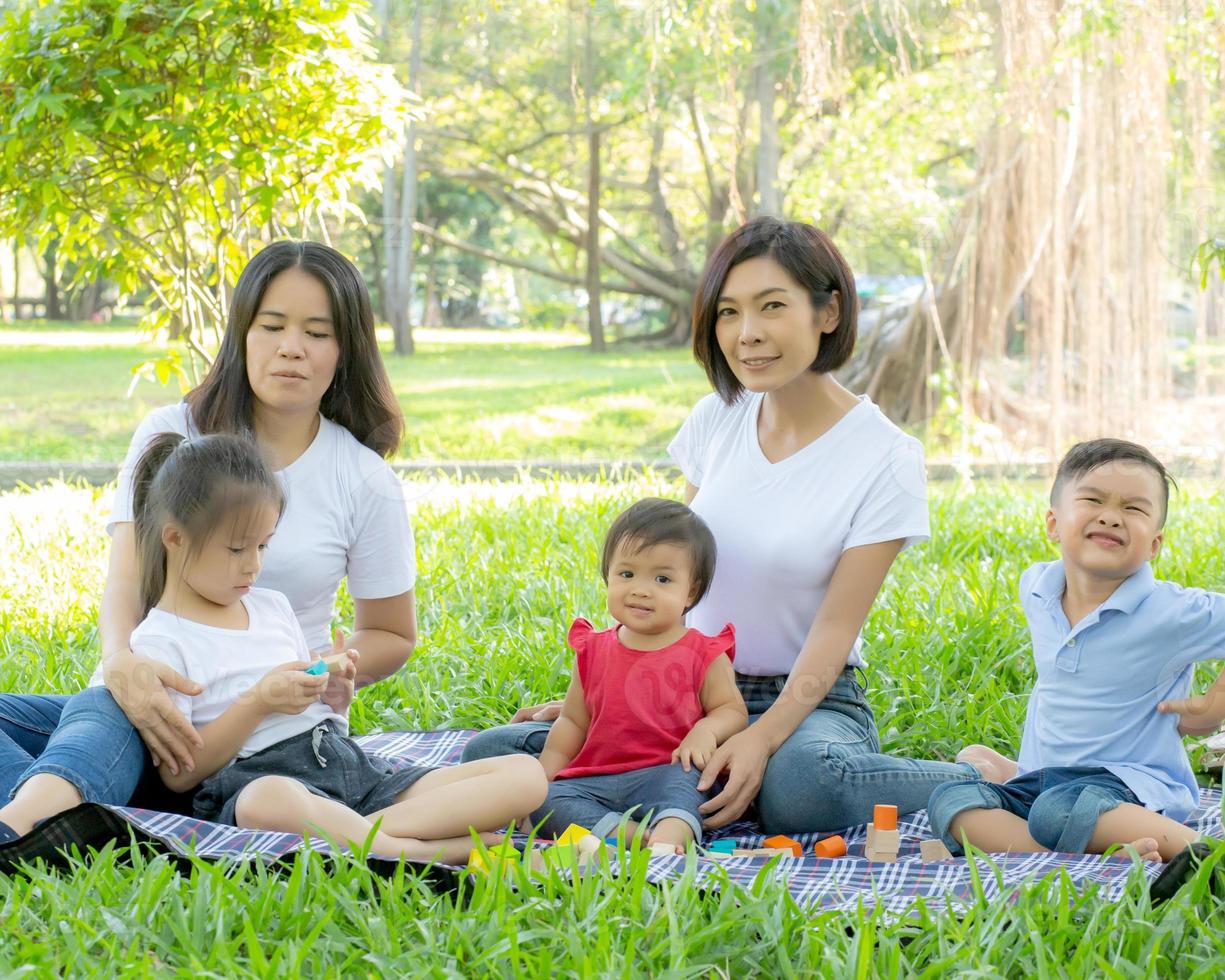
642,702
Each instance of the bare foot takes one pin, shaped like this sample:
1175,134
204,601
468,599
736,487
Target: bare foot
1146,848
993,767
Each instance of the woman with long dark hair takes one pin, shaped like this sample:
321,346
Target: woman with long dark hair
299,371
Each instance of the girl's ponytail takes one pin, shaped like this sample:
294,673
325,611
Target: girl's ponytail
150,551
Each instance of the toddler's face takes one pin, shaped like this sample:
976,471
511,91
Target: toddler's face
649,588
1108,521
227,565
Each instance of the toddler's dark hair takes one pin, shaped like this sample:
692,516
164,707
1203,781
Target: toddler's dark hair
196,483
1086,456
653,521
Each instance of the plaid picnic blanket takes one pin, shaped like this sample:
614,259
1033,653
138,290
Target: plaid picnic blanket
842,883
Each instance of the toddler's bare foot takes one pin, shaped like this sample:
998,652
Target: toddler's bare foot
993,767
1146,848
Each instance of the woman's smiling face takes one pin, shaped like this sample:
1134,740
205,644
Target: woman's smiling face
766,325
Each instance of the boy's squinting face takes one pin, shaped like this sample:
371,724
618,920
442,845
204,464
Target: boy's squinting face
649,589
1108,521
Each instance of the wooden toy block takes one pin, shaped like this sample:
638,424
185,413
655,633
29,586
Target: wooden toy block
573,834
888,857
724,846
883,840
884,817
934,850
755,852
784,843
831,847
329,665
590,845
663,850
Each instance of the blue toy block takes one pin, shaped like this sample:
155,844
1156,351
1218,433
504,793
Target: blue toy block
317,668
725,846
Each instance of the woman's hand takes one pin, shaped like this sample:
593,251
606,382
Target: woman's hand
342,683
549,711
743,757
138,686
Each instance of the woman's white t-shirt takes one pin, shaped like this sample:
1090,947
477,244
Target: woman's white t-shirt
230,662
345,515
781,527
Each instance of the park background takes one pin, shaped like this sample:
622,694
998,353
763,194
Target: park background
1030,193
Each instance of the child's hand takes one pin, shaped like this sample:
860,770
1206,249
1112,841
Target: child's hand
289,689
342,681
697,748
1202,714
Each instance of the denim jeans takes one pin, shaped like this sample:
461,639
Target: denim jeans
84,738
827,775
599,802
1061,804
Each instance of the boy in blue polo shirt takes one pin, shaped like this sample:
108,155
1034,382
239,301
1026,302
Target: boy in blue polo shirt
1102,760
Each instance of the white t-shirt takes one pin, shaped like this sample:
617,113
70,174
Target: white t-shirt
781,527
345,515
231,662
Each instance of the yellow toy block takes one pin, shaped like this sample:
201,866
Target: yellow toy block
573,834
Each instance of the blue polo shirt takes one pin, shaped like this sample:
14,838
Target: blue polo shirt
1095,702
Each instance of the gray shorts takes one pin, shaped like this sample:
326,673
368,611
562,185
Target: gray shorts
326,762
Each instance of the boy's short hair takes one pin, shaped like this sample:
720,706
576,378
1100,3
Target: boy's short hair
1086,456
653,521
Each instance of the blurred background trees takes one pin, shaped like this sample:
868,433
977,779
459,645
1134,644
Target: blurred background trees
1022,186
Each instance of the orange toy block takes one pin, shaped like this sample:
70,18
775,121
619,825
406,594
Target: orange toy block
831,847
884,816
784,843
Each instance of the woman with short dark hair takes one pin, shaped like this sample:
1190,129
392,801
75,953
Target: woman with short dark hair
811,493
299,371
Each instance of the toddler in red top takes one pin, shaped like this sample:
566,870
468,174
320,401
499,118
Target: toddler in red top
649,700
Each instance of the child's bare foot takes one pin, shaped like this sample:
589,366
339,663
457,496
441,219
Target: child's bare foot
1146,848
993,767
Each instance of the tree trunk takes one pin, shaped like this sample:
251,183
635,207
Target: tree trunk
388,287
769,201
54,310
595,325
401,323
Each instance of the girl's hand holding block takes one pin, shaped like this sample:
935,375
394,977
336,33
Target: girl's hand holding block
341,668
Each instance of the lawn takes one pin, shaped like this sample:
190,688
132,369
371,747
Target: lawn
466,395
505,567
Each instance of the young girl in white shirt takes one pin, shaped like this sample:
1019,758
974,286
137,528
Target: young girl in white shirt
275,757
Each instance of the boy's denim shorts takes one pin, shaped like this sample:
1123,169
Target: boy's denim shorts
1061,804
645,795
325,761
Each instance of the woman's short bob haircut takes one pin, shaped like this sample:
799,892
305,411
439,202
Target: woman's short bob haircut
360,397
810,258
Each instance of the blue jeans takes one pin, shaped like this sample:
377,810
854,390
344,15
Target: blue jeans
1061,804
84,738
599,802
827,775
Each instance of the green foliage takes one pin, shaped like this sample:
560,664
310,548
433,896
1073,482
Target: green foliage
161,142
504,567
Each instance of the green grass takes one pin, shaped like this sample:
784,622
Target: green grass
505,567
466,395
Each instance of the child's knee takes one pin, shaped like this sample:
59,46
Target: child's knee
529,775
266,801
1065,819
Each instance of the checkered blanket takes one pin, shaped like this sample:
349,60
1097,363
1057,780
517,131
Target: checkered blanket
842,883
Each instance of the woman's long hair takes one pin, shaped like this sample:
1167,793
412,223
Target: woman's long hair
360,396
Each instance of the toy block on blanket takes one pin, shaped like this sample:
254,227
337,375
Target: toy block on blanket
934,850
831,847
757,852
883,839
784,843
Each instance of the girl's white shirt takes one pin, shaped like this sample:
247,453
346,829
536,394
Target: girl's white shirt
345,515
230,662
781,527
